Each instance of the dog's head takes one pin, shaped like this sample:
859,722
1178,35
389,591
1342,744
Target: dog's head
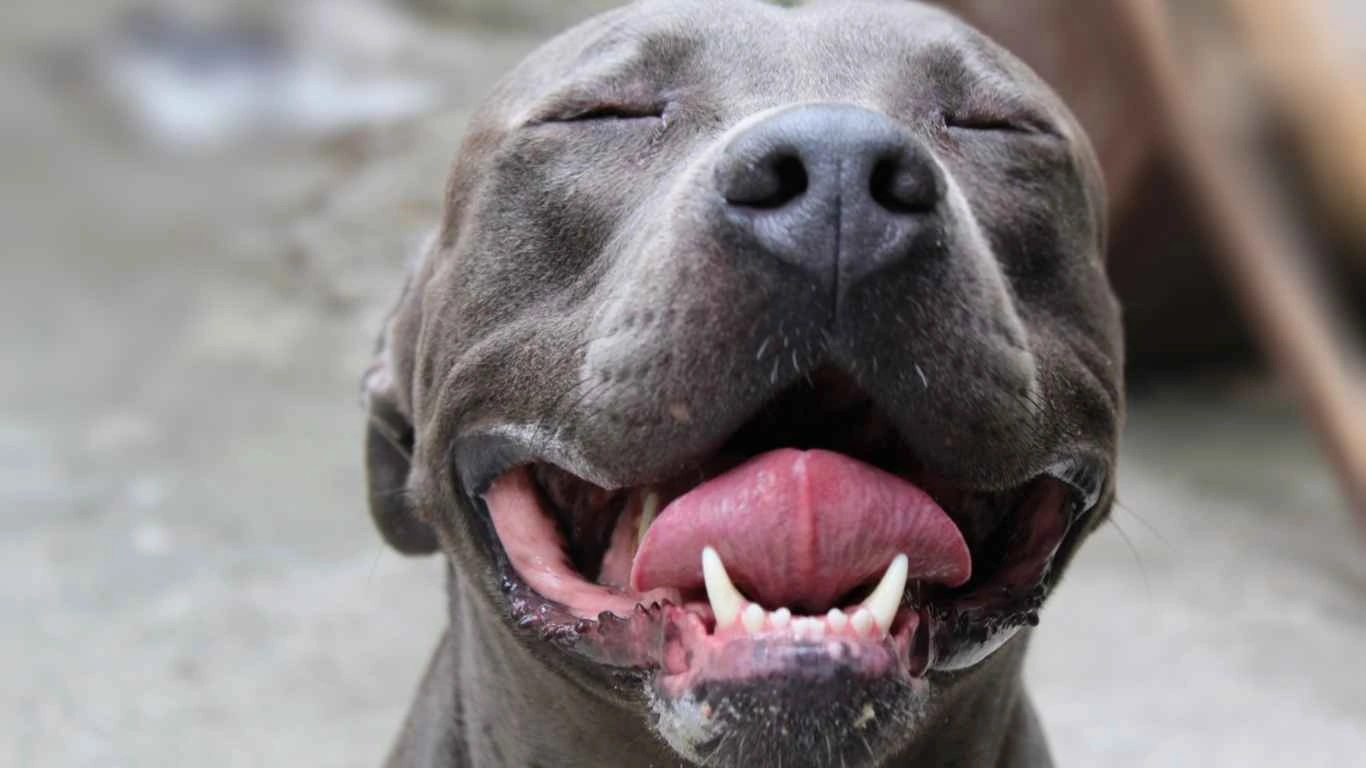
765,355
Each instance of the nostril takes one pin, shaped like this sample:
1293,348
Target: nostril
792,180
772,182
902,186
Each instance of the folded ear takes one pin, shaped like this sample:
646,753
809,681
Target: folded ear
389,445
388,451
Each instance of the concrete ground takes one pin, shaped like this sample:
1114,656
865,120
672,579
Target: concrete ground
187,569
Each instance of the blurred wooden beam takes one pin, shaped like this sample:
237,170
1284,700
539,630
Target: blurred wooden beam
1320,89
1260,256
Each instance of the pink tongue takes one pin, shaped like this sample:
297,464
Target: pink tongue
801,529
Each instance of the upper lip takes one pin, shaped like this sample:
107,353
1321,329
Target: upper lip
482,456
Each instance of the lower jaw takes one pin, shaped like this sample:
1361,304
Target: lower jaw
677,650
694,657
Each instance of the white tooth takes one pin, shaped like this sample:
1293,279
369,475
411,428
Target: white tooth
886,599
807,628
837,619
815,630
753,618
726,601
649,507
862,621
780,618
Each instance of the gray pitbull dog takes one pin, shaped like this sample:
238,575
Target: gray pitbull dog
759,385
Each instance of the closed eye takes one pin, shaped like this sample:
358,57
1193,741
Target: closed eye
606,112
1024,125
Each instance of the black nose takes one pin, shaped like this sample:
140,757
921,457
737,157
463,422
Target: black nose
838,191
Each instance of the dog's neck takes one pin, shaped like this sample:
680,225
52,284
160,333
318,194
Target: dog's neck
486,700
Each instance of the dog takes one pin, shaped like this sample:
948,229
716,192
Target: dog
759,385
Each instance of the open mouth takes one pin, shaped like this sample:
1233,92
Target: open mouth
811,539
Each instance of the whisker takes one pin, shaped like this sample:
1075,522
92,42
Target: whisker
1138,559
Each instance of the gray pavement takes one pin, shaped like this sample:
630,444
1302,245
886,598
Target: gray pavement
188,575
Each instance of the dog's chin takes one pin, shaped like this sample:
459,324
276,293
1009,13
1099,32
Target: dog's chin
819,713
799,596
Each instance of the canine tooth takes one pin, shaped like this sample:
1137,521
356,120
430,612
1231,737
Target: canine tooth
781,618
726,601
886,599
649,507
753,618
862,621
837,619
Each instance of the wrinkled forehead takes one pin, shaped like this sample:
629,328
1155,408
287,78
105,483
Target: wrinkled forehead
749,55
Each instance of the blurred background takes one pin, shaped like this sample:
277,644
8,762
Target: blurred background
206,207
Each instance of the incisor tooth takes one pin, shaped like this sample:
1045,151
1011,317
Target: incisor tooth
837,619
726,601
781,618
807,628
861,621
816,631
886,599
753,618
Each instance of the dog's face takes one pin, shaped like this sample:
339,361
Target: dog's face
766,356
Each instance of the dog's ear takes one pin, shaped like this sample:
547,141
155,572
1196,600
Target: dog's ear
389,448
